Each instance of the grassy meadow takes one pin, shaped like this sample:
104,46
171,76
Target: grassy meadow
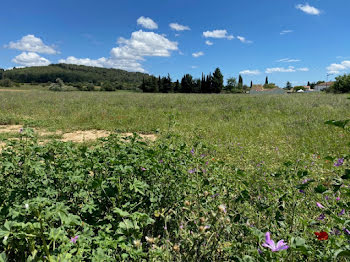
242,129
225,174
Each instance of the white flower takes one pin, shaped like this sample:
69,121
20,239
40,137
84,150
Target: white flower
6,237
26,206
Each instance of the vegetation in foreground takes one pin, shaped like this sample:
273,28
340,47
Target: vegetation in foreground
128,200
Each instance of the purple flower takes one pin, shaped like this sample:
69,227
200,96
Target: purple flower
161,161
301,191
143,169
336,232
339,162
215,195
321,217
342,212
192,151
269,243
338,198
259,251
202,155
319,205
165,227
74,239
207,163
191,171
305,181
326,197
21,130
346,231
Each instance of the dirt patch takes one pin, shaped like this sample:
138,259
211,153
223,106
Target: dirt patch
10,128
82,136
12,90
77,136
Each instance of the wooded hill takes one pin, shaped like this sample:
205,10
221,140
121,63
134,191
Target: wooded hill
73,74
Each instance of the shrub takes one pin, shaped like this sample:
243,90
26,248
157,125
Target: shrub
6,83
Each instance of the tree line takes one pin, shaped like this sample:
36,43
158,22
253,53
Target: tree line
211,83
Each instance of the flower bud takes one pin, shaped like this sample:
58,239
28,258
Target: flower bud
176,248
137,243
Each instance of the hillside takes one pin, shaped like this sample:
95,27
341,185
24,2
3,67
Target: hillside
73,74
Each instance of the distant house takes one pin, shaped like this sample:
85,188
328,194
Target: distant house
259,89
322,86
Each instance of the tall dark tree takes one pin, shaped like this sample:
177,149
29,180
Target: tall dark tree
251,84
187,84
2,73
240,82
288,86
266,81
218,81
308,83
177,86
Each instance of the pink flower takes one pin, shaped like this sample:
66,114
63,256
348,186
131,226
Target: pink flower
319,205
269,243
74,239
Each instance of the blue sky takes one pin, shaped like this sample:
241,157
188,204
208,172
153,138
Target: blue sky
286,40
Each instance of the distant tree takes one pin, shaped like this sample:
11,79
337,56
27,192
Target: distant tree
177,86
270,86
2,73
251,84
341,84
107,86
288,86
240,82
231,84
266,81
6,82
217,81
308,83
187,84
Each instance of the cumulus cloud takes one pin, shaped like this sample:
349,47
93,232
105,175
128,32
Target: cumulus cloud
250,72
198,54
290,69
209,42
194,67
218,34
178,27
30,59
284,32
288,60
244,40
31,43
147,23
308,9
130,52
338,68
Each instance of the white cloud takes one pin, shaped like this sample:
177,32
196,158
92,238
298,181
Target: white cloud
338,68
30,59
178,27
129,52
198,54
147,23
308,9
288,60
284,32
250,72
290,69
209,42
194,67
244,40
30,43
218,34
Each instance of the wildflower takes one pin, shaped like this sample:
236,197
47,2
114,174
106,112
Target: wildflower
215,195
176,248
222,208
339,162
326,197
26,206
150,240
5,238
74,239
181,226
319,205
269,243
143,169
21,130
165,228
342,212
192,151
187,203
301,191
305,181
161,161
321,235
259,251
335,232
191,171
321,217
137,243
338,198
346,231
202,155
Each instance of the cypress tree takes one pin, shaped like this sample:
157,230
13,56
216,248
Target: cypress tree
266,81
251,84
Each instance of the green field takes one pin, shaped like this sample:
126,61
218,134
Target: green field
242,129
225,170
